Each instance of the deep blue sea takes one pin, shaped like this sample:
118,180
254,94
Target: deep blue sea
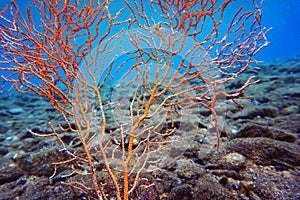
281,15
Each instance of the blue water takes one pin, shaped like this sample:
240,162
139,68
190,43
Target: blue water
283,17
280,15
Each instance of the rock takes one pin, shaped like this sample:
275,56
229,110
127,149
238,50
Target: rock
4,113
39,163
9,171
208,187
257,112
233,161
251,131
182,192
263,151
3,151
289,110
15,111
187,169
295,68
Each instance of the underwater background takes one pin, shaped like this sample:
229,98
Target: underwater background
259,158
281,15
